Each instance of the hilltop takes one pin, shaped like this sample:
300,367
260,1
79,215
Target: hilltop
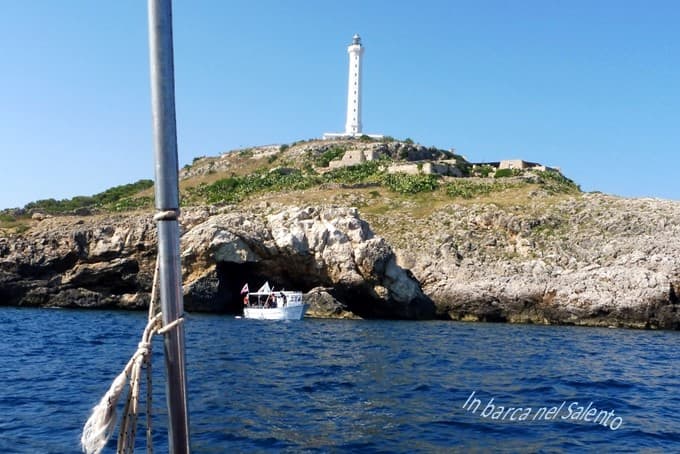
374,228
238,176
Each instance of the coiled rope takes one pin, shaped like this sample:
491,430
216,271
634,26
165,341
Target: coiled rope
102,422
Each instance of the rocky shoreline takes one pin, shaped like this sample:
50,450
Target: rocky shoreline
587,259
108,262
591,259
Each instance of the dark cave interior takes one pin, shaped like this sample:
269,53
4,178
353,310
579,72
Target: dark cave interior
233,276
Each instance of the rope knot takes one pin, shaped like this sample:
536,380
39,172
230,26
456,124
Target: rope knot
144,348
166,215
170,326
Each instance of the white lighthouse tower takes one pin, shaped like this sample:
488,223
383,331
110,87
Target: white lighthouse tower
353,126
353,123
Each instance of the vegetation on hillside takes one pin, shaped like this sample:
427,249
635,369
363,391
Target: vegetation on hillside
326,157
506,173
235,189
12,223
118,198
249,173
467,189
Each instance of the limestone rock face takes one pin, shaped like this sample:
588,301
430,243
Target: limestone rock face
585,259
109,262
589,260
70,262
300,248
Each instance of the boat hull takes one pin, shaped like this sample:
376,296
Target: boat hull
289,312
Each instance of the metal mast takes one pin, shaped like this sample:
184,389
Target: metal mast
167,206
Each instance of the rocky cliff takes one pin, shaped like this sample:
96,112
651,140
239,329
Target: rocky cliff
108,261
588,259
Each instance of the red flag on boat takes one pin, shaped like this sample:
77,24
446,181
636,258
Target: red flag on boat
245,289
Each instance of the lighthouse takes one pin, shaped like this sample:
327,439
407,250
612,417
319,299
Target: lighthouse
353,123
353,127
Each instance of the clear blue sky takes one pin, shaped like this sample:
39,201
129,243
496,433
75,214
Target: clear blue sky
590,86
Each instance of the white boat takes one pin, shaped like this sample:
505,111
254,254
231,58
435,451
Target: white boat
270,304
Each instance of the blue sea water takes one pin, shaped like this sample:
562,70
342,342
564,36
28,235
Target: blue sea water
349,386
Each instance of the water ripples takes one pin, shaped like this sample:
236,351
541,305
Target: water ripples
347,386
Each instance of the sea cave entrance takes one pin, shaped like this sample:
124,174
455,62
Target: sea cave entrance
233,276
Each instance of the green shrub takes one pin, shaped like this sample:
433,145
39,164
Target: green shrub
368,171
308,169
235,189
468,189
21,228
224,189
329,155
410,184
284,147
505,173
482,171
554,182
108,198
133,203
118,192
